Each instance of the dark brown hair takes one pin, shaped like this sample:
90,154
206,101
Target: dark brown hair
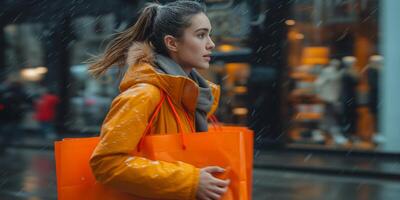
155,22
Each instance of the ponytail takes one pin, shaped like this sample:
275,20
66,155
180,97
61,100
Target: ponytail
155,21
115,52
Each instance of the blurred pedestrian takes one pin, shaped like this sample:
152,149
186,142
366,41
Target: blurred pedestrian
45,112
163,50
350,80
329,85
373,71
14,101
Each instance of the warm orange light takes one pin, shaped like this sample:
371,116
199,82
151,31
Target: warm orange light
299,36
290,22
226,48
315,55
294,35
240,111
41,70
240,89
33,74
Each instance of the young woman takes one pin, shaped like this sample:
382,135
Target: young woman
163,50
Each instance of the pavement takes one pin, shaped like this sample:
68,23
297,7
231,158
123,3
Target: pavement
27,171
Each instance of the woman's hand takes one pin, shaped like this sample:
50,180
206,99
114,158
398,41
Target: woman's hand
211,188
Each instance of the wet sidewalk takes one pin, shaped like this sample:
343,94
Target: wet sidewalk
295,185
350,164
27,172
345,163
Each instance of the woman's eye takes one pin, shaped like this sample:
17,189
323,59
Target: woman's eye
201,35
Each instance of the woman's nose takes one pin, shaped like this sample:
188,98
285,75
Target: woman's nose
210,44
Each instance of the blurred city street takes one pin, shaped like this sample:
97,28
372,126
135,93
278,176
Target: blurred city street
314,81
28,172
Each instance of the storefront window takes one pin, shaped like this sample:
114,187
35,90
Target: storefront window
334,61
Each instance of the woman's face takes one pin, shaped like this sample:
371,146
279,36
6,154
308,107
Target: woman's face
194,47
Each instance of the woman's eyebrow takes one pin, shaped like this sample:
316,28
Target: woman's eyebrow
202,29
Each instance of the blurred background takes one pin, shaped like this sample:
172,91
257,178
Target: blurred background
315,79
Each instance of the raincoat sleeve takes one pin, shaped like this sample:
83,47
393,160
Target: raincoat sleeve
122,129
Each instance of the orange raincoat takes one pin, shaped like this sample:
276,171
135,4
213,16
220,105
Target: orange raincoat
112,163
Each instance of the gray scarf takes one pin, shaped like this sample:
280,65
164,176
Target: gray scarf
205,98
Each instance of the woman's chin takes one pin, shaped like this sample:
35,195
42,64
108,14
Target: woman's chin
203,66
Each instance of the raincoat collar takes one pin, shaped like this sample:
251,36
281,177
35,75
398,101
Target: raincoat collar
141,59
169,66
204,99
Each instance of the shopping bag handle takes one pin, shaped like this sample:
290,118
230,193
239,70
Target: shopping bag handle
215,122
176,116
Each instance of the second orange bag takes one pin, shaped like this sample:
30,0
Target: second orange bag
228,147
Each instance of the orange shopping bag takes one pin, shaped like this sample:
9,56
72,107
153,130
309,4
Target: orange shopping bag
228,147
249,147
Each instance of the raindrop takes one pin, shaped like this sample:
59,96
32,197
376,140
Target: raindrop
345,32
366,19
257,153
308,157
225,77
319,23
253,112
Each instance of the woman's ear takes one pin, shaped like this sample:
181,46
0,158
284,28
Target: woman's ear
171,43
